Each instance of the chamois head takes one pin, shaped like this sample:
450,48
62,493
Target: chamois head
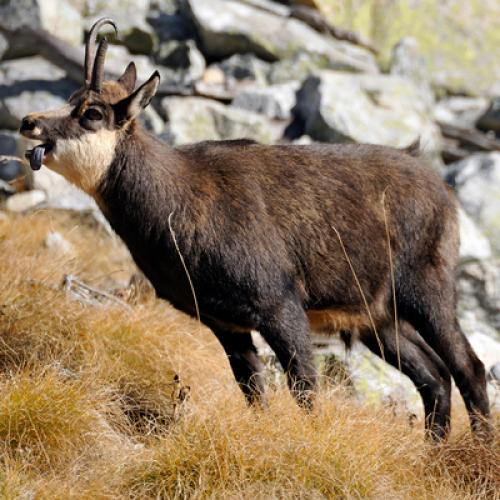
78,140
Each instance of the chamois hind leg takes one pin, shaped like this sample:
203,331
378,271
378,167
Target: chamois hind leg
245,363
432,312
423,366
286,330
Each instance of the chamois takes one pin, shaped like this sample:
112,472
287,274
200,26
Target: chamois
280,239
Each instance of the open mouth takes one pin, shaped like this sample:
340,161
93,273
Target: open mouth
37,154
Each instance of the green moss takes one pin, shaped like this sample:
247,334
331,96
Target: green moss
460,40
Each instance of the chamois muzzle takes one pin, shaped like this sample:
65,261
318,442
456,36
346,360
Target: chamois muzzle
32,128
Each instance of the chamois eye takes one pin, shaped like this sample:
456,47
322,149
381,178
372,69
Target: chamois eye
93,114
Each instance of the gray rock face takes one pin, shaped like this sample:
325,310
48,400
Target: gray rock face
14,108
8,143
55,16
478,297
246,67
59,193
477,184
225,29
197,119
135,33
11,168
473,244
461,112
275,102
376,109
29,85
184,57
4,45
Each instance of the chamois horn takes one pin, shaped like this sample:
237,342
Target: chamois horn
90,47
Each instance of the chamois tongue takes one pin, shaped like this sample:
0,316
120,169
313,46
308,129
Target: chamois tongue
35,156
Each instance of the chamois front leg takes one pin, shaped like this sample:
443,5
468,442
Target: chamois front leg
286,330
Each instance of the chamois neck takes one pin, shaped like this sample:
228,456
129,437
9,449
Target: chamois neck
143,184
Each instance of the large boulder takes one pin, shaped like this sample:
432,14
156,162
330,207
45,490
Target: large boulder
228,26
473,244
460,41
477,183
134,31
59,193
459,111
184,57
275,101
8,143
196,119
478,283
56,16
377,109
29,85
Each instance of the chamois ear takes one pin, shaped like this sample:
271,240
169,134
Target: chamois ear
129,78
130,107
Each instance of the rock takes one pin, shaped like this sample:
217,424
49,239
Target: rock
473,244
407,61
303,140
29,85
487,349
4,45
462,112
5,189
55,16
225,29
59,193
172,24
478,283
59,16
118,58
196,119
246,67
139,37
56,241
151,121
14,108
377,109
494,373
8,143
275,102
490,119
460,41
477,183
22,202
183,56
11,168
298,67
130,17
34,69
139,8
134,32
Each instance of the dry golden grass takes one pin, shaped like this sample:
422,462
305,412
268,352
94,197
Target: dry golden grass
86,401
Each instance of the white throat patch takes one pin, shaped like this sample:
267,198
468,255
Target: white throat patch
84,160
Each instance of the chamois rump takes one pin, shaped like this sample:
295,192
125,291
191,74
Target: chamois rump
281,239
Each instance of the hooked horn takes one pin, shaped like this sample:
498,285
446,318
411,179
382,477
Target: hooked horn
90,46
98,72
